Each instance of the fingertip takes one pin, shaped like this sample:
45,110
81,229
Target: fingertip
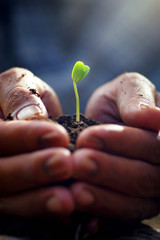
55,135
141,114
60,202
31,136
93,137
30,112
82,195
57,201
59,164
85,136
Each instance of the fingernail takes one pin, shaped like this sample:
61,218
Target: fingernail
86,198
85,167
51,139
29,112
53,204
144,106
94,142
89,165
54,167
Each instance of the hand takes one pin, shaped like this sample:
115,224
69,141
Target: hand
32,153
117,164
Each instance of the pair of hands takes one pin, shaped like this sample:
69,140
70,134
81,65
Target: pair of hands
116,165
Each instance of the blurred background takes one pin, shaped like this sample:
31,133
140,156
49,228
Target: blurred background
111,36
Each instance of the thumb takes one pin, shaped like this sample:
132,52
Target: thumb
130,99
23,96
137,101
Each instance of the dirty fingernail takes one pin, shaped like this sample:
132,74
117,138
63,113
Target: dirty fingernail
94,142
89,165
50,139
28,112
149,105
54,167
85,167
53,205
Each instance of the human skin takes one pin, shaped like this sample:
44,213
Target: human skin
117,164
32,153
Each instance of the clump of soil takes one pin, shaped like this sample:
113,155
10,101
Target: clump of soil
73,127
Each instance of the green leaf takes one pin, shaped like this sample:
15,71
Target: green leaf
80,70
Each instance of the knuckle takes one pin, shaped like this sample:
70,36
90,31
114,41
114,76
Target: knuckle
13,77
15,98
136,87
11,73
136,79
14,70
17,94
131,75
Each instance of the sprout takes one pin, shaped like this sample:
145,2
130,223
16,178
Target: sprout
80,70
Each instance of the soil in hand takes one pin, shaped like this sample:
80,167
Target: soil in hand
73,127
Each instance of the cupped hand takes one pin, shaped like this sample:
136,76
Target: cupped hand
25,96
117,163
33,154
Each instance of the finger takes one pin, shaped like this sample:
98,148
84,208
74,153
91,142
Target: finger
130,176
56,201
123,141
48,97
26,136
138,106
107,203
34,169
21,95
130,99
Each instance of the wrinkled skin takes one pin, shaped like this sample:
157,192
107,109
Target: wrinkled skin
33,153
116,164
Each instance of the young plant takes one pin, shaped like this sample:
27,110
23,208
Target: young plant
80,70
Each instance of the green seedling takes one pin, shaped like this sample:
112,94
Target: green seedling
80,70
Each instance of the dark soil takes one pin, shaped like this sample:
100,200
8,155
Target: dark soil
73,127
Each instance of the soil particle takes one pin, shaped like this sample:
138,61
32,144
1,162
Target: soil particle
23,74
34,91
73,127
9,117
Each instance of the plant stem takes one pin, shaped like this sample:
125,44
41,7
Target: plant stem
77,102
